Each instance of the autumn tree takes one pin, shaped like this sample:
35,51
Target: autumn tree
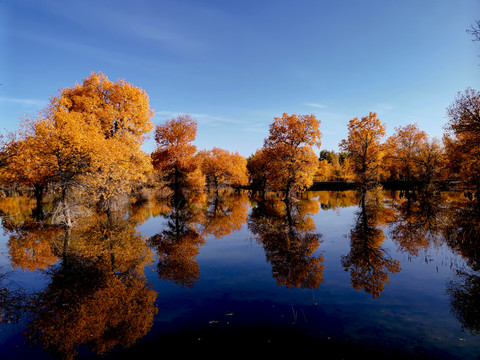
430,162
259,167
4,142
464,135
9,150
20,167
174,157
120,112
324,171
89,138
327,155
118,108
405,146
222,167
334,166
364,146
62,149
453,157
289,148
47,152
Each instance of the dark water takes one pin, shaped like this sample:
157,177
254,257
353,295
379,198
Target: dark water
341,274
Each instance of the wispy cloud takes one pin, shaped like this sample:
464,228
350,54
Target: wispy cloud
173,29
24,102
204,119
257,128
383,108
315,105
82,48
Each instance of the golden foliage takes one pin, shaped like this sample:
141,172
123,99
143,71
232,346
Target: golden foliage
288,148
117,108
325,171
174,157
334,170
431,161
23,163
121,116
259,166
222,167
404,149
295,131
364,146
89,135
463,144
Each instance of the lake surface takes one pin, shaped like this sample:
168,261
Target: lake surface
343,273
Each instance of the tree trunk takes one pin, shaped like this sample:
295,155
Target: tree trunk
66,244
66,210
38,193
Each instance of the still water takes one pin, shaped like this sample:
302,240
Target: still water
343,273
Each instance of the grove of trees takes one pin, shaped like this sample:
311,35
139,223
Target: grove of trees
85,150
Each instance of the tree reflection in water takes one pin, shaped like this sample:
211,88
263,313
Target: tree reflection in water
287,233
30,241
178,243
97,296
369,265
333,200
463,235
12,301
419,221
31,245
192,217
226,212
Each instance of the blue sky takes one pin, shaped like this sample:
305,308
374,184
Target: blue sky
235,65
